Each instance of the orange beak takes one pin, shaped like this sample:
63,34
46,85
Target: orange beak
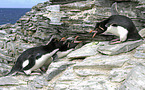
63,39
94,35
77,41
76,37
91,31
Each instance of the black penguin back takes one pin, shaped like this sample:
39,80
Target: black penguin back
32,54
125,22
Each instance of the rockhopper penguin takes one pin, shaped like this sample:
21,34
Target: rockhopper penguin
67,45
35,57
119,25
40,57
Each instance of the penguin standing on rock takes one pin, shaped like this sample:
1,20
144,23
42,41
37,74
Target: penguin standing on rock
119,25
40,57
35,57
67,45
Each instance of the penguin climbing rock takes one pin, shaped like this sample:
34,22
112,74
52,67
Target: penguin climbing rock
69,45
119,25
35,57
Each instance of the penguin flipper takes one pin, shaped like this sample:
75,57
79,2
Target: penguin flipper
55,57
31,60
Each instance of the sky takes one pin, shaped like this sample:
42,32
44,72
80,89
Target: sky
19,3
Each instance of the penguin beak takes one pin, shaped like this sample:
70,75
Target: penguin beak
76,37
101,28
77,41
95,32
91,31
63,39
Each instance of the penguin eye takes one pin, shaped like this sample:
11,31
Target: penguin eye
38,56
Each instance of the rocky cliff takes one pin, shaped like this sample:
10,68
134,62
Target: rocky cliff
94,66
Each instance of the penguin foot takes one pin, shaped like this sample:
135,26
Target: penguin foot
43,69
116,42
115,39
95,32
36,73
75,40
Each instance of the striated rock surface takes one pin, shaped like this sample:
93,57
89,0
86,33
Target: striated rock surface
119,48
135,79
89,49
142,33
85,67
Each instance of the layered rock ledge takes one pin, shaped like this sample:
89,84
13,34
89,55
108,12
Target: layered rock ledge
95,65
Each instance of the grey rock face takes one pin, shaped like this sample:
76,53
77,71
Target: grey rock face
93,65
96,71
85,51
142,33
9,81
118,75
140,52
119,48
135,79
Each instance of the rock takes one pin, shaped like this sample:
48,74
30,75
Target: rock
41,81
118,75
141,47
142,32
34,19
139,54
96,71
56,68
55,14
89,49
135,79
81,83
102,62
119,48
24,18
4,68
55,8
89,72
36,85
10,81
79,5
2,32
5,26
68,75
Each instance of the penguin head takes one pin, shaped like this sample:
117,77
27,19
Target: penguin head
99,28
68,43
58,43
63,44
55,42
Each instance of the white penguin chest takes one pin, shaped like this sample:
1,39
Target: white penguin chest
39,62
118,31
64,53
